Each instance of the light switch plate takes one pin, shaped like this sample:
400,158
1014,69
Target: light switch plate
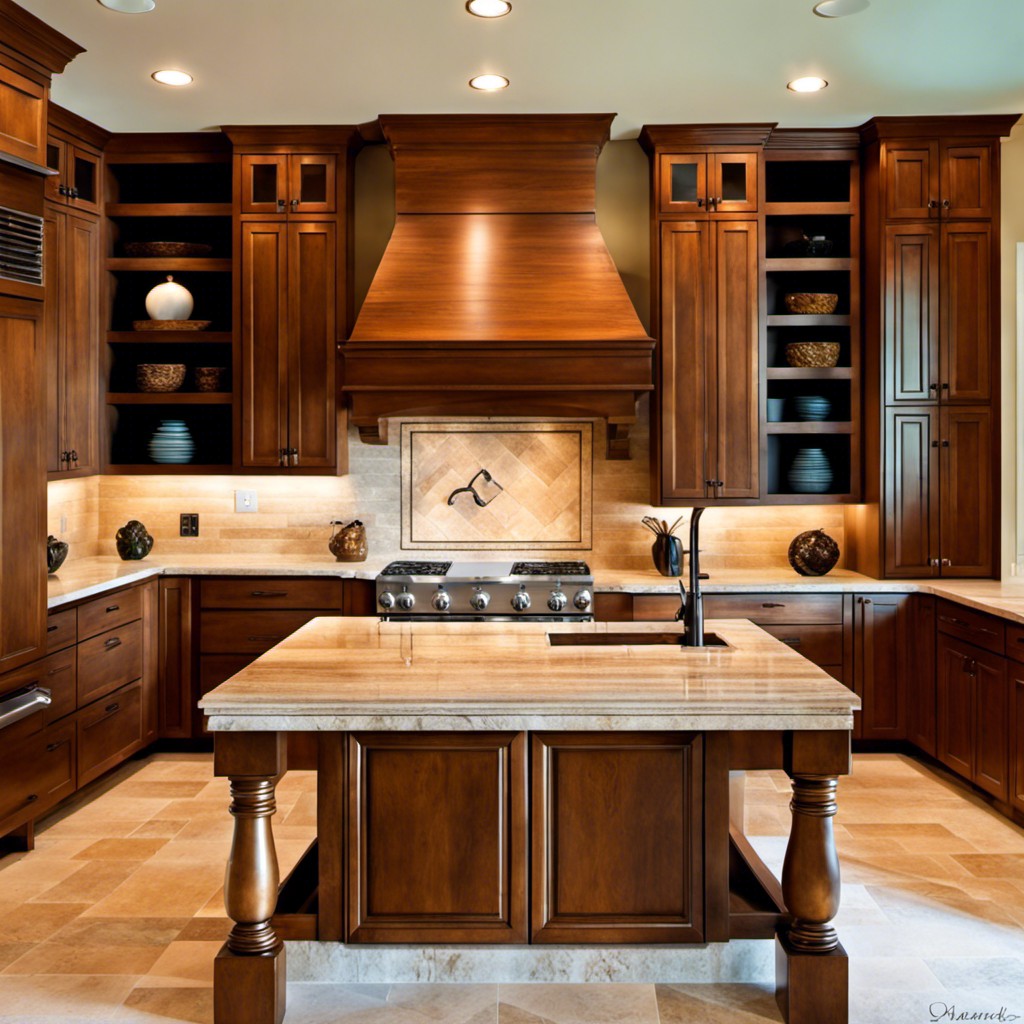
245,501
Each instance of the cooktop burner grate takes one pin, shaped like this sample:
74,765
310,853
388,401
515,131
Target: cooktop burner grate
550,569
416,569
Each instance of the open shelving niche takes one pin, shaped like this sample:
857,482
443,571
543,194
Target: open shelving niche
168,188
811,191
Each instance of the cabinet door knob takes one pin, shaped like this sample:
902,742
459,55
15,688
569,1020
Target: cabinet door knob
945,561
933,562
294,203
932,204
700,203
280,204
945,387
944,444
945,204
933,387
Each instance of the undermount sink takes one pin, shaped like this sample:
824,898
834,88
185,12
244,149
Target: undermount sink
629,640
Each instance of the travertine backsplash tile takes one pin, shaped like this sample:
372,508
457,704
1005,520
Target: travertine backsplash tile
295,513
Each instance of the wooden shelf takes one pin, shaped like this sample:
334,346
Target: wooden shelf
158,265
796,263
803,427
169,337
168,209
808,320
180,468
811,209
801,498
169,398
808,373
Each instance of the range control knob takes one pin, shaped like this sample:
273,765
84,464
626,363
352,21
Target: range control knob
521,600
480,600
405,601
441,601
582,600
386,600
557,601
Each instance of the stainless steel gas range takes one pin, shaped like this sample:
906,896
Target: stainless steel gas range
478,591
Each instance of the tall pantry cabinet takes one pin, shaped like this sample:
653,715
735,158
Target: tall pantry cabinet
931,258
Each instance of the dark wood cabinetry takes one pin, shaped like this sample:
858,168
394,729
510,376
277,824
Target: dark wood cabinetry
921,673
705,184
74,150
882,652
928,178
288,183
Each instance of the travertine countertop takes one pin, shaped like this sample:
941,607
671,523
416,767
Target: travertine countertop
358,673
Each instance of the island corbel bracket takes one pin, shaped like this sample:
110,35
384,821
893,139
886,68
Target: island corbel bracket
249,973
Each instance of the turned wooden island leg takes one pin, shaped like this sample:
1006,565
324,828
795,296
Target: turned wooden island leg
811,967
249,972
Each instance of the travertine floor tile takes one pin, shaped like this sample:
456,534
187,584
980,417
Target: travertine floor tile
70,958
120,849
90,883
164,890
715,1004
75,997
192,1005
183,964
578,1004
36,921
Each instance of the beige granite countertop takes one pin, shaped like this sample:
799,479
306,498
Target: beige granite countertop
86,577
358,673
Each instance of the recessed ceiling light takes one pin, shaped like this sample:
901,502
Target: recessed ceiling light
489,8
489,83
840,8
129,6
808,84
173,77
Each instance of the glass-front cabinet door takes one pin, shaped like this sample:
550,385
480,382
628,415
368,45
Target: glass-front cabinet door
732,183
702,183
311,178
265,183
683,187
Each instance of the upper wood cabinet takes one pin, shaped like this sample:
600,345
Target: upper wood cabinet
22,117
293,183
77,182
698,184
926,179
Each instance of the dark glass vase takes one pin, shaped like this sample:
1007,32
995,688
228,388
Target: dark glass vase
667,552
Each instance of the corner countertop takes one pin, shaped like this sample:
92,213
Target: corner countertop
86,577
342,674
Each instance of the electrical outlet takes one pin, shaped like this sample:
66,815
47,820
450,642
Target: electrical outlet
189,524
245,501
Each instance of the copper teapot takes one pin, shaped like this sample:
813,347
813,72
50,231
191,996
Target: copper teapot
349,543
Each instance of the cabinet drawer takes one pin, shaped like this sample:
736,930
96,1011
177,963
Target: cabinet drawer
256,593
55,673
109,611
61,630
759,608
983,630
37,772
239,632
1015,643
109,731
108,661
821,644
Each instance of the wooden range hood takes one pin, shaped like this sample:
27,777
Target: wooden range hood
496,295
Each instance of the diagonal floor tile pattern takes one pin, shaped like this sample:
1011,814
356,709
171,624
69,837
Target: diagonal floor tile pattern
118,912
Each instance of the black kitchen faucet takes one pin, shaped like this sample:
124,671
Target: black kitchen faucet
691,607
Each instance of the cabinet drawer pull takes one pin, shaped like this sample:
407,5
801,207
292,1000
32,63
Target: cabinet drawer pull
111,708
268,593
772,604
792,641
31,798
52,629
114,641
264,639
57,671
114,608
954,622
51,747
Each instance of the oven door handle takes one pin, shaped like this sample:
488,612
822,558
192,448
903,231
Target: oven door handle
22,704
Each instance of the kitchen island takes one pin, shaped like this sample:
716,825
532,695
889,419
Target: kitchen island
523,784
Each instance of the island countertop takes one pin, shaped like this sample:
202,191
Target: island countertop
341,674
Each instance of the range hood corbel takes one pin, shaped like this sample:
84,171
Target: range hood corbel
496,295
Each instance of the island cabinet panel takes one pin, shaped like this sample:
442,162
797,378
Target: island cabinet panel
617,836
437,838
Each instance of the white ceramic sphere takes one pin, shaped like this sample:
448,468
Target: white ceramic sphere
169,301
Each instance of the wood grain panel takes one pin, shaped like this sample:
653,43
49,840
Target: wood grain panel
966,176
921,675
23,120
55,673
617,837
1016,682
911,179
61,629
764,609
911,491
37,772
966,313
108,661
821,644
175,673
967,472
261,593
991,724
882,643
251,632
955,698
109,731
437,837
109,611
977,628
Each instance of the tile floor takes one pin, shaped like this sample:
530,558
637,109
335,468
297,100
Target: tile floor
117,914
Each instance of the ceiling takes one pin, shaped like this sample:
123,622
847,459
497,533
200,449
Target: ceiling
653,61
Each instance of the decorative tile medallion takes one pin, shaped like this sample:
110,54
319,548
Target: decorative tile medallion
472,485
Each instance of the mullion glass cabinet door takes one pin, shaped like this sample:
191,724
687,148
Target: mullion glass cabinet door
264,183
733,183
683,183
312,183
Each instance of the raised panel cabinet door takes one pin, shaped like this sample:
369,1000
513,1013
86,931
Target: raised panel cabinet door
313,343
1017,735
732,378
81,341
683,183
732,184
911,334
881,639
617,827
685,312
312,183
966,180
955,697
264,183
991,724
920,667
437,842
22,117
966,472
54,312
264,327
965,321
22,482
175,672
911,179
911,492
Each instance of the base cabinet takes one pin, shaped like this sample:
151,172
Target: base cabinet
881,649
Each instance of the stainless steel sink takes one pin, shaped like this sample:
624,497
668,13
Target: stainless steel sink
629,640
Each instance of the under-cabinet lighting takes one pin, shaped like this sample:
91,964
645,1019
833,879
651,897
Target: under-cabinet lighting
489,8
129,6
808,84
839,8
172,77
489,83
